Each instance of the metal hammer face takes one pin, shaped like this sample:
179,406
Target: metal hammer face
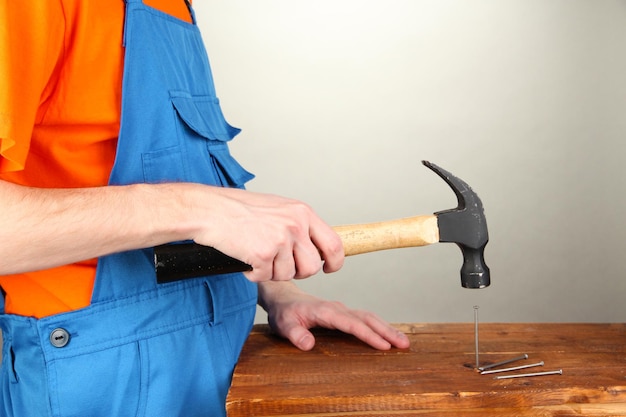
466,226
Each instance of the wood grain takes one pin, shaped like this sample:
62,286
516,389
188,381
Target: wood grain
343,377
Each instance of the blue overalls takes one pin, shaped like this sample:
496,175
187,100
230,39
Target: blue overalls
142,349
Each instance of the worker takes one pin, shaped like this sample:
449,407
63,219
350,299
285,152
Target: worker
112,141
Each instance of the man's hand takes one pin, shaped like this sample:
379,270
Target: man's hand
292,312
281,238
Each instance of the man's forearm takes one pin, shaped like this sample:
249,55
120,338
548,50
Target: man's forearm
43,228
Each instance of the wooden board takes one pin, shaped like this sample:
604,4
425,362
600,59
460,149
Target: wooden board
436,376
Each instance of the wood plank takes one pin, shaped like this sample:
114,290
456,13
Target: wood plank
588,410
342,376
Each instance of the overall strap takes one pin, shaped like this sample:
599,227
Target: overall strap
191,11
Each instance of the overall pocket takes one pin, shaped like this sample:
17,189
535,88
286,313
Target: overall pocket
187,377
99,384
203,135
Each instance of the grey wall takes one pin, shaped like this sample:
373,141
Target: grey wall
523,99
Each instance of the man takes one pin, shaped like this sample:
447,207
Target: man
112,141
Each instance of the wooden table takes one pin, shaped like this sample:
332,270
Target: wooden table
436,376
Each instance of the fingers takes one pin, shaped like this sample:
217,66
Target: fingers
329,246
384,330
283,266
368,327
307,260
299,336
302,254
294,261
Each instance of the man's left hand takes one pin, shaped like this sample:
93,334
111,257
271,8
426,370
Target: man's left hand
292,312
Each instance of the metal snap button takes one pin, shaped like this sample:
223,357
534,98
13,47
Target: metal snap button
59,337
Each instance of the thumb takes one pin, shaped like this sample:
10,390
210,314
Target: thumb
300,337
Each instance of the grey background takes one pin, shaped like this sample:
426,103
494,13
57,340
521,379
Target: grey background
523,99
339,102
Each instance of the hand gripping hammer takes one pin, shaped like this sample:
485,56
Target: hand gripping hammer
464,225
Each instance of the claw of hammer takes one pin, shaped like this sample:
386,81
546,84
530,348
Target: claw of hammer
464,225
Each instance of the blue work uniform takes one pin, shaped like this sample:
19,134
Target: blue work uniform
141,348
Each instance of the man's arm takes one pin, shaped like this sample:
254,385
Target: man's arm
281,238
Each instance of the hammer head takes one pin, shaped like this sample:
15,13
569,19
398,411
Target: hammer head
466,226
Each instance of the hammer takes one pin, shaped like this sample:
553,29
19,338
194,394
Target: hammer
464,225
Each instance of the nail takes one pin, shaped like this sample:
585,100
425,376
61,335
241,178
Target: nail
559,372
493,365
476,336
515,368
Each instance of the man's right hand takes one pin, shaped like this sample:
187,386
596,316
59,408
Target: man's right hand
280,238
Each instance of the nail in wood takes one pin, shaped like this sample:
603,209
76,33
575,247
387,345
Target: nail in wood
476,336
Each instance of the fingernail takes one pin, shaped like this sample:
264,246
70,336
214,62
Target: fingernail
403,340
306,342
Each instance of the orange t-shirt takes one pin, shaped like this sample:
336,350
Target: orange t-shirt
60,98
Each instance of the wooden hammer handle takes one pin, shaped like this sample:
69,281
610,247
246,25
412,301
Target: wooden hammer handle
392,234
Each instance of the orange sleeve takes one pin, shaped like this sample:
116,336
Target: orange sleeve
31,43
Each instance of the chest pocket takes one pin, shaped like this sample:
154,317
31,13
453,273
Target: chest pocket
199,153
